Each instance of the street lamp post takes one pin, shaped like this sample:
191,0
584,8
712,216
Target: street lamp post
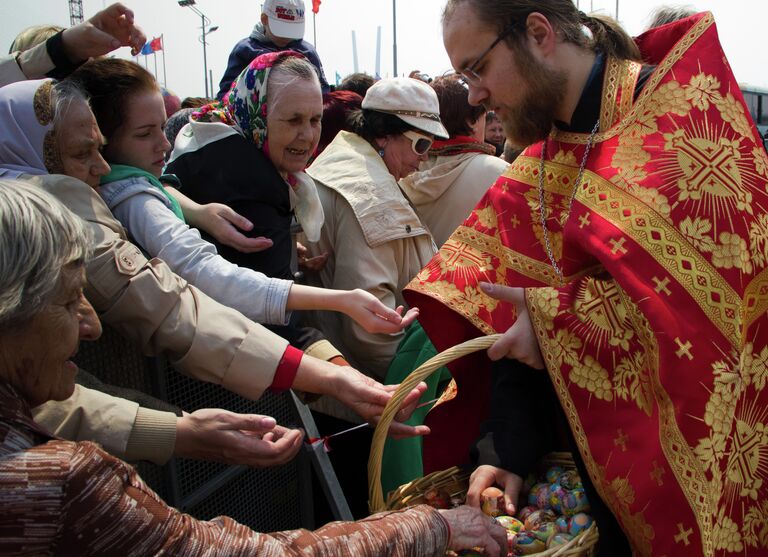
205,22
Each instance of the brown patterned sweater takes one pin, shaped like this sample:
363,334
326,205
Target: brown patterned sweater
63,498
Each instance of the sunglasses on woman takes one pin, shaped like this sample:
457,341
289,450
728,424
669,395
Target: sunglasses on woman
420,143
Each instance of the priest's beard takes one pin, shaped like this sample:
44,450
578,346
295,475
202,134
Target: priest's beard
531,120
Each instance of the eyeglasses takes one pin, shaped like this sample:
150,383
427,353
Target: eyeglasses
468,74
420,143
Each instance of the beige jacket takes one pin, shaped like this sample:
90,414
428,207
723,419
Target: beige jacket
30,64
375,241
447,188
90,415
163,314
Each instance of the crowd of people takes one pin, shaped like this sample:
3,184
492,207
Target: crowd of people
600,200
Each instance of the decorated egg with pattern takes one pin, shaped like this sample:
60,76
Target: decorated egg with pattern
579,522
562,524
539,517
574,501
525,512
528,544
554,473
558,539
492,501
556,495
539,496
545,531
570,480
510,523
437,498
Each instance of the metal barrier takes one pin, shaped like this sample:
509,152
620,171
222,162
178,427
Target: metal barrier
267,499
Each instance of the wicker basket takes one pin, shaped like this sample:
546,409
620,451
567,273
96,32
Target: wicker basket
453,481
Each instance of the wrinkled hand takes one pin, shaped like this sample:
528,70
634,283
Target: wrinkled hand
486,476
223,436
519,342
106,31
307,263
374,316
367,397
471,528
224,224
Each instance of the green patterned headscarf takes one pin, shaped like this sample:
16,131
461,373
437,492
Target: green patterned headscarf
245,106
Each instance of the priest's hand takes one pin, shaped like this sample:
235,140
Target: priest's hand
519,342
486,476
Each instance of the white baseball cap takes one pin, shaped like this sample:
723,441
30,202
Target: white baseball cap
411,100
286,18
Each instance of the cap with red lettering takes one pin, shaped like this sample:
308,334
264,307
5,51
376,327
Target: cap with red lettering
286,18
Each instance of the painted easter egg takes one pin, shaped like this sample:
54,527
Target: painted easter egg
539,517
574,501
492,501
558,539
527,544
510,523
579,522
554,473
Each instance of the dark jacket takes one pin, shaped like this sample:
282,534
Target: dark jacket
257,44
233,171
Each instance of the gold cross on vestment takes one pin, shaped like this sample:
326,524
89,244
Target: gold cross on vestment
514,221
683,535
584,220
618,246
661,286
685,348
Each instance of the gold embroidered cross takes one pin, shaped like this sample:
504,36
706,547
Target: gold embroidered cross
657,473
685,349
621,441
661,286
683,535
584,220
618,246
514,221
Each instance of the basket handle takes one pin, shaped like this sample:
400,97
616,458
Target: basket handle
375,495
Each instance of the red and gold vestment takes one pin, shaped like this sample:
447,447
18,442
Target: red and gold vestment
656,343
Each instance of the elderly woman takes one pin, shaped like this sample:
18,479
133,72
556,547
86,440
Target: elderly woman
249,152
375,238
58,495
458,170
145,301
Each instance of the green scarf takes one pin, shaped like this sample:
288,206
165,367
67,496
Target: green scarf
123,171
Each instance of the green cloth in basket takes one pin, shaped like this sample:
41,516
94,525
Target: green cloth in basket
402,462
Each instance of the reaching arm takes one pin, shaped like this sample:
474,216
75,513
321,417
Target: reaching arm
221,222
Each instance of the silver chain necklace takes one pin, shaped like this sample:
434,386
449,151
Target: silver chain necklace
542,210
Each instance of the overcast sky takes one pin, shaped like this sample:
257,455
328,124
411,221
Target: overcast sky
741,24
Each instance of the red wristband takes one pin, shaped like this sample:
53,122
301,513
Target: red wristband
286,369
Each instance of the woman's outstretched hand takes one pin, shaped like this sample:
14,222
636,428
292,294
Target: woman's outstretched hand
374,316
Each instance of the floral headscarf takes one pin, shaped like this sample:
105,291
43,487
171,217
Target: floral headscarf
245,106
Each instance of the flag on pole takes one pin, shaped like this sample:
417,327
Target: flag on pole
152,46
316,5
